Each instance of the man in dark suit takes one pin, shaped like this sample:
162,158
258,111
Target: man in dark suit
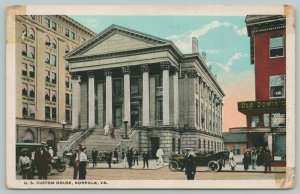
94,157
190,167
42,159
267,160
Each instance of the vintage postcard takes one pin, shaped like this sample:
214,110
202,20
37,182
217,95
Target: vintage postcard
144,96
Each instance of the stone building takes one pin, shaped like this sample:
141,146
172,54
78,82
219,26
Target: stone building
170,99
44,89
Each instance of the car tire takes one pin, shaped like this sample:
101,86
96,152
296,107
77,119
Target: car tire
62,168
213,166
174,166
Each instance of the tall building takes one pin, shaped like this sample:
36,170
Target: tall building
172,100
266,116
44,89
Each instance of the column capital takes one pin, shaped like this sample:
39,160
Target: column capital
192,74
90,74
145,68
107,72
125,70
165,65
74,76
182,73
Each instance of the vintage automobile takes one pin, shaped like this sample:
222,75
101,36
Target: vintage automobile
214,161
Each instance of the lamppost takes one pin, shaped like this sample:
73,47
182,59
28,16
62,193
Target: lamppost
63,123
125,123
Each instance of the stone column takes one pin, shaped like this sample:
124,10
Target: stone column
165,68
75,102
176,100
91,97
108,89
200,102
146,115
127,115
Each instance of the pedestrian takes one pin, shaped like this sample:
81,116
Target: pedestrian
124,158
116,156
136,157
145,158
129,155
267,160
232,163
247,159
94,157
82,164
106,129
32,163
112,131
109,158
42,159
74,161
160,154
185,154
190,167
253,158
25,165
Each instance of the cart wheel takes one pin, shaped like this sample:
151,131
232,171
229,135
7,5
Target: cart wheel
213,166
174,166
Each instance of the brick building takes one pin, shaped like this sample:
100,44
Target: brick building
44,89
172,100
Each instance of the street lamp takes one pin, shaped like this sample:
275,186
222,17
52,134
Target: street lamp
63,123
125,123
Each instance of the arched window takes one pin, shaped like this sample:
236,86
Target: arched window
28,136
53,43
47,40
24,31
31,33
67,49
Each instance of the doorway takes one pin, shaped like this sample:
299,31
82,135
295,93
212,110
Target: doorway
155,143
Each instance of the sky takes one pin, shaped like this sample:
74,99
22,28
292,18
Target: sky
223,38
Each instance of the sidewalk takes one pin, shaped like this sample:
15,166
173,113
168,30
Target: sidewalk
240,168
152,165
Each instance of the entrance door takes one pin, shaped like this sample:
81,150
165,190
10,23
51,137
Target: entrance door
154,146
135,113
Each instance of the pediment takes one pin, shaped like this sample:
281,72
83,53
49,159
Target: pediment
116,38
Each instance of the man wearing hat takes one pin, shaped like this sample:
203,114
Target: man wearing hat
190,167
74,161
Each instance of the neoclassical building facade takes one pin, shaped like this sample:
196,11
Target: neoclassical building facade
173,99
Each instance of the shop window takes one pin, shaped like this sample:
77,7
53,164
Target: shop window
24,69
53,113
47,94
277,46
24,49
32,71
237,150
53,96
67,32
31,52
117,89
25,110
134,86
24,31
47,40
278,120
266,120
279,147
53,43
277,86
47,22
24,89
53,78
47,78
254,121
67,99
53,60
72,35
53,25
47,58
31,91
47,112
32,110
67,49
67,82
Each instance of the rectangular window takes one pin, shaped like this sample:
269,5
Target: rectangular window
32,71
67,32
47,77
254,121
47,112
159,80
24,49
199,142
32,110
47,22
24,69
173,145
54,25
67,82
31,52
53,113
278,120
31,91
266,120
67,99
53,60
202,115
53,96
68,116
117,90
134,86
47,94
159,112
277,86
53,78
24,89
72,35
47,58
276,46
25,110
118,116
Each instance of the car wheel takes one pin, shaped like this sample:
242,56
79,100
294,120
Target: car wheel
174,166
62,168
213,166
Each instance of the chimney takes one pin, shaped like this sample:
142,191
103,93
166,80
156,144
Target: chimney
195,45
204,57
